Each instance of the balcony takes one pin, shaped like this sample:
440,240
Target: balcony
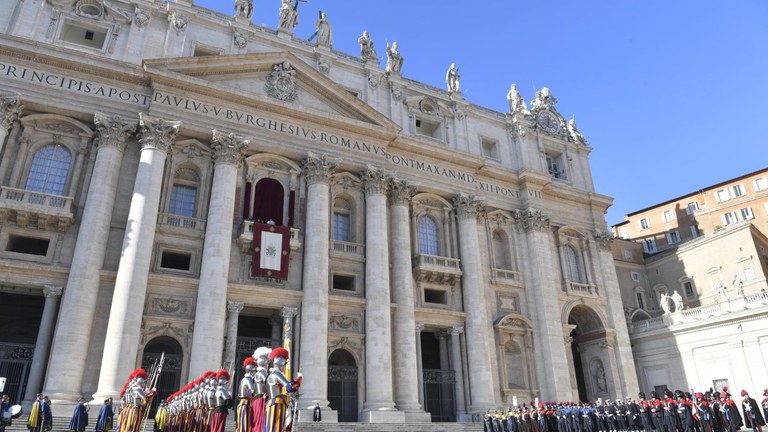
347,248
34,209
245,240
507,277
181,225
581,289
436,269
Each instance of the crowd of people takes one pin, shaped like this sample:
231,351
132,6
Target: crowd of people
263,398
671,412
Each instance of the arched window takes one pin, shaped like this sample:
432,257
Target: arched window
501,250
268,202
572,264
428,236
49,171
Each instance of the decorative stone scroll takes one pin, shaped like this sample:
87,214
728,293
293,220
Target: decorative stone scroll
52,291
227,147
112,130
603,239
157,133
319,167
345,322
181,307
281,82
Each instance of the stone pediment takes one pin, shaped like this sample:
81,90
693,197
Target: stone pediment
276,82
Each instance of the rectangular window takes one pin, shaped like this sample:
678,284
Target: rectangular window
722,195
627,254
428,128
183,199
738,190
649,245
644,223
79,33
341,227
691,208
176,260
28,245
640,301
435,296
730,218
719,384
746,213
343,282
554,167
761,183
695,231
673,237
688,287
635,276
668,215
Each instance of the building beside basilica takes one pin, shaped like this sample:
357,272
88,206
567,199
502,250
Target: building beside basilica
709,250
178,181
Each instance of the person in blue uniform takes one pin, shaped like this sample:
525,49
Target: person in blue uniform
106,416
79,420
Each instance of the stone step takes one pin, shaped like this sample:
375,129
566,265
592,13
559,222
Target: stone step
61,424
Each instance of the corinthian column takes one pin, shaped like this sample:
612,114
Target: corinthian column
43,343
207,343
405,364
234,308
478,323
313,349
156,137
78,304
10,110
379,404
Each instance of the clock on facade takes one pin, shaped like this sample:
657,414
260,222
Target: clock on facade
548,121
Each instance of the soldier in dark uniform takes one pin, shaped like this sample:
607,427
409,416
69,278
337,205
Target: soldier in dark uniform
753,418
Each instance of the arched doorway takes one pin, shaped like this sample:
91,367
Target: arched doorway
587,349
170,376
342,385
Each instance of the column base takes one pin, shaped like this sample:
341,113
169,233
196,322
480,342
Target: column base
388,416
418,417
328,415
463,418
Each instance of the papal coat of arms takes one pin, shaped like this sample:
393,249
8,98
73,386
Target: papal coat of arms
281,83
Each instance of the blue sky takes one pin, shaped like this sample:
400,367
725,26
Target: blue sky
670,94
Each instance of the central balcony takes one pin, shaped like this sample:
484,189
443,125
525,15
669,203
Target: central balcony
245,240
34,209
581,289
436,269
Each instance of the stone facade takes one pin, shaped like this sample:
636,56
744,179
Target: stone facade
437,251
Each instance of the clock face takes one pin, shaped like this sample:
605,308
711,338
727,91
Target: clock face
548,122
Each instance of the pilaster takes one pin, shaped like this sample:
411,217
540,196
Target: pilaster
43,344
10,111
458,369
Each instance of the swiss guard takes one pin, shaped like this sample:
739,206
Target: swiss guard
246,390
223,400
259,403
278,388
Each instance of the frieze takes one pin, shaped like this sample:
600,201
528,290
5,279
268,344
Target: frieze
180,307
345,322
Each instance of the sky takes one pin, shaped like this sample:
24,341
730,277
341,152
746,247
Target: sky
671,95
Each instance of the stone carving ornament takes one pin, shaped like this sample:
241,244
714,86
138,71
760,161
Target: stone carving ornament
516,101
467,206
239,40
400,192
89,9
289,15
244,9
141,17
367,52
157,133
319,167
10,110
228,147
281,82
544,99
112,130
531,219
170,306
375,180
345,322
178,21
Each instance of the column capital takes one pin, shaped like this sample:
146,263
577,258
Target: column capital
319,167
234,306
532,219
10,110
52,291
603,239
157,133
467,206
419,327
375,180
456,330
288,312
228,147
112,130
400,192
